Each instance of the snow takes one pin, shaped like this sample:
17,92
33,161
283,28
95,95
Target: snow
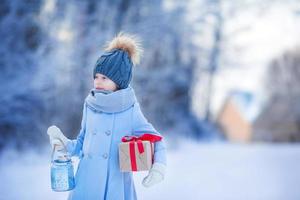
195,171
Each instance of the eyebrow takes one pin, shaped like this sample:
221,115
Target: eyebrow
99,75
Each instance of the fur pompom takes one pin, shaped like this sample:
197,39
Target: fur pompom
129,43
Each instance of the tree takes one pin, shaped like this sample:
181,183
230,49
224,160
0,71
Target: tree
280,120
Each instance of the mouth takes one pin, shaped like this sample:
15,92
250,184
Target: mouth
99,88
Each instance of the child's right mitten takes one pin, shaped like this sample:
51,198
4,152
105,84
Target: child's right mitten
57,137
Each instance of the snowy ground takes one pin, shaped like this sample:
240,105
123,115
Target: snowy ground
195,171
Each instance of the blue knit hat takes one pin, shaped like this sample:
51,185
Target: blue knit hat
122,53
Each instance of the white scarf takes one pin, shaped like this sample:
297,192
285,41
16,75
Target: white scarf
109,101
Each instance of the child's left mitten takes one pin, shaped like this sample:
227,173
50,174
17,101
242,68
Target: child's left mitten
156,175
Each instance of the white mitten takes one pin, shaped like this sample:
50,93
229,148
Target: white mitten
57,137
156,175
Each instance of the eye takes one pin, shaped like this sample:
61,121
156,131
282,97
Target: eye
103,77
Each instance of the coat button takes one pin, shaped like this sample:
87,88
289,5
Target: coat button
94,133
105,155
107,132
90,156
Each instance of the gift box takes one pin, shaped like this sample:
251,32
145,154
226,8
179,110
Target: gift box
136,153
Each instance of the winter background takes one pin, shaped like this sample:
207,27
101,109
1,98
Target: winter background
197,53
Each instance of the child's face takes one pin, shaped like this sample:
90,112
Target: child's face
103,82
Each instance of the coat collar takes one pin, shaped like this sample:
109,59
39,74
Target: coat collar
111,102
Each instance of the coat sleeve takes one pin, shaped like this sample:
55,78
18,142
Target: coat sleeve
141,126
74,147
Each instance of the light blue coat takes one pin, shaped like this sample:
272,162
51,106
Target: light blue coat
106,119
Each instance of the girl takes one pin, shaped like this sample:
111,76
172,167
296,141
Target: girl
110,112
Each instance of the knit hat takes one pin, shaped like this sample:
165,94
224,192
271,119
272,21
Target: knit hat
120,55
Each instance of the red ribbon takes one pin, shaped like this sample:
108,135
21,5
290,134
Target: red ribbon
138,140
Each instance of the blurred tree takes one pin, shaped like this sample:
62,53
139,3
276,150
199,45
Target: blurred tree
163,80
218,49
21,108
280,120
54,45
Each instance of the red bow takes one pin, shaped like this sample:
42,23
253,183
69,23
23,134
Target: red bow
138,139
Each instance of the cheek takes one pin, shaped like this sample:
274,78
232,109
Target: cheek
111,83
